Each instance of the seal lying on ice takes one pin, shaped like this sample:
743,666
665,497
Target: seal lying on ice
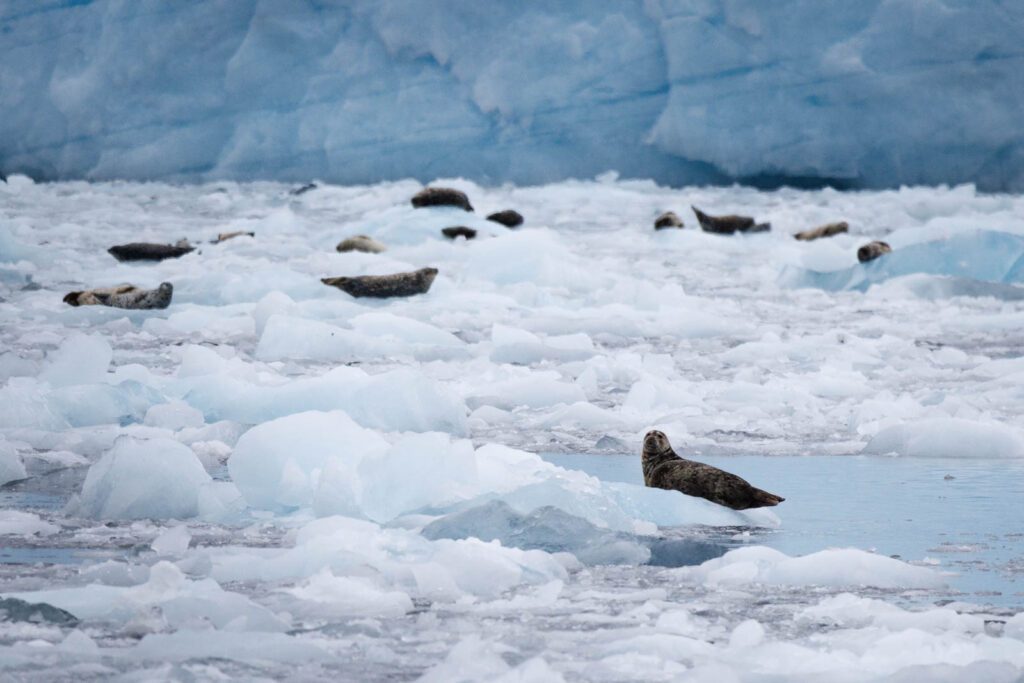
384,286
727,225
459,231
510,218
663,469
669,219
441,196
361,243
123,296
147,251
827,230
872,250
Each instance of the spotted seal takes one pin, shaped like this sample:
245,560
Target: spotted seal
361,243
827,230
728,225
441,196
510,218
123,296
384,286
663,469
669,219
459,231
146,251
225,236
299,191
873,250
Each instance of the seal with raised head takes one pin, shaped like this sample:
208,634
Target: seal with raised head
827,230
728,225
299,191
459,231
510,218
225,236
872,250
123,296
385,286
147,251
441,196
361,243
663,469
669,219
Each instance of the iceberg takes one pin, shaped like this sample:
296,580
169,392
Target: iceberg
873,93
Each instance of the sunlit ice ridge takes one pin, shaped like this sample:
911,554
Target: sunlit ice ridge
871,93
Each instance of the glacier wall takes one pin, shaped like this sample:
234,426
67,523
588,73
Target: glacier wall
867,93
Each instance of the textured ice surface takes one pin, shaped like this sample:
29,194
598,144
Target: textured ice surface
876,93
270,479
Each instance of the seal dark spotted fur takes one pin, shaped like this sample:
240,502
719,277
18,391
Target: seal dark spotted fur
873,250
123,296
664,469
441,196
385,286
728,225
146,251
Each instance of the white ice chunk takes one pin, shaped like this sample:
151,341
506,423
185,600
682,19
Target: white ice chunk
17,523
174,541
11,466
81,359
173,415
156,478
949,437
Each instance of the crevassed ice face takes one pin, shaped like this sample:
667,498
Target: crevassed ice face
656,441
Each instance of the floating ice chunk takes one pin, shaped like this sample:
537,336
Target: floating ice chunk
174,541
984,255
852,611
17,523
533,256
474,659
343,596
181,602
93,404
948,437
286,337
11,466
399,400
546,528
81,359
173,415
80,644
13,609
402,329
25,406
279,464
247,647
274,303
539,390
836,567
513,345
136,479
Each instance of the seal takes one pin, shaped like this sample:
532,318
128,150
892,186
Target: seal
146,251
827,230
123,296
728,225
509,218
459,231
663,469
361,243
299,191
873,250
441,196
385,286
669,219
225,236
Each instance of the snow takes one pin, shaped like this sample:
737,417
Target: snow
271,479
877,93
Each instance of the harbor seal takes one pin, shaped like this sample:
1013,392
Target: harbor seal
509,218
441,196
728,225
225,236
827,230
459,231
663,469
669,219
299,191
361,243
123,296
385,286
146,251
872,250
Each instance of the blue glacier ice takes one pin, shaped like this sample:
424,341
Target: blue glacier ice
985,256
867,93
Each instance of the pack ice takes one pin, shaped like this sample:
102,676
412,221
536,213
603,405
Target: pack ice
273,479
874,93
